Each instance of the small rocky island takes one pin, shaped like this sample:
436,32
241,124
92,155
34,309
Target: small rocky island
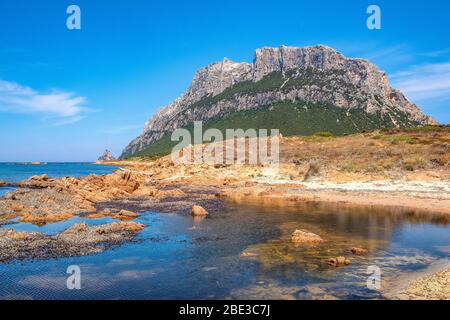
107,156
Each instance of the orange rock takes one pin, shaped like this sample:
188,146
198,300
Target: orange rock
127,226
170,193
126,215
14,235
146,191
17,207
99,215
45,218
271,192
199,211
121,215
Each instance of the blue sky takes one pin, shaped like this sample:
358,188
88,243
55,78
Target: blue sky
68,95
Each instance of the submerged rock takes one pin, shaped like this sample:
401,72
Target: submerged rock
338,262
358,251
302,236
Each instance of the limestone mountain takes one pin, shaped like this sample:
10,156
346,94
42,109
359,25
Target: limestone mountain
297,90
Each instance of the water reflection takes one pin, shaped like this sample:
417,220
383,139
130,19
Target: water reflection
178,257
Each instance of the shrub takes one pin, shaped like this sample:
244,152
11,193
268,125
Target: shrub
323,134
400,138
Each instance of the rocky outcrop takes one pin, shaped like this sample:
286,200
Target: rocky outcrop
107,156
4,184
78,240
317,74
124,215
433,287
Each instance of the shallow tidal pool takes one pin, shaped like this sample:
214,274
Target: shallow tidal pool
242,253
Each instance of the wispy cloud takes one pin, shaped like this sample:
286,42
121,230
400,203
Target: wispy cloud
121,129
436,53
65,107
398,53
384,56
423,82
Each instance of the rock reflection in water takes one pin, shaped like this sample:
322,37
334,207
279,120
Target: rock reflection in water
245,251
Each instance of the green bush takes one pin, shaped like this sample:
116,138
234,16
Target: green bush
323,134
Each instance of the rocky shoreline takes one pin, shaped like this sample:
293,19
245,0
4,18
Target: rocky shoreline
41,200
198,189
433,283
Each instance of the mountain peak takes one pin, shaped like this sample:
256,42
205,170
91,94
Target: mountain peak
315,74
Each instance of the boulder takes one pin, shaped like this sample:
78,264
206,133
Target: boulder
338,261
198,211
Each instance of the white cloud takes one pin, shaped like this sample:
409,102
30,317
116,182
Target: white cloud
66,106
424,82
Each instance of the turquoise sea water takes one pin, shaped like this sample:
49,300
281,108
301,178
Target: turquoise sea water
13,172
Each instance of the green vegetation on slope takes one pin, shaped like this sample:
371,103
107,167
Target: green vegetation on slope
291,118
274,81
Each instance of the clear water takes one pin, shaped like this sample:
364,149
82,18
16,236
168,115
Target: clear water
176,257
13,172
5,190
58,227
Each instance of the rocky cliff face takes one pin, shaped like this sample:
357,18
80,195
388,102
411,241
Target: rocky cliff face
107,156
317,74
